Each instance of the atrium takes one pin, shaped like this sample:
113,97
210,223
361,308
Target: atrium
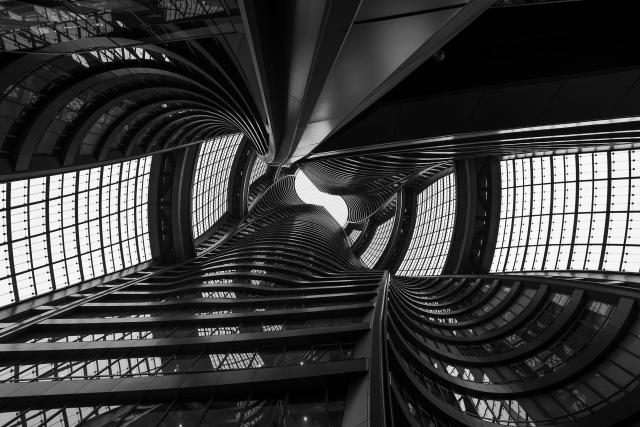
298,213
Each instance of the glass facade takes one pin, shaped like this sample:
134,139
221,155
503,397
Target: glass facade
353,236
211,181
259,168
378,243
431,239
570,212
64,229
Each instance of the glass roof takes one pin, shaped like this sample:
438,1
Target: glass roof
211,181
63,229
353,236
310,194
431,238
378,243
258,169
570,212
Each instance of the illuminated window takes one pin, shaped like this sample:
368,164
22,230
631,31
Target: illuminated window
431,239
570,212
353,236
115,54
64,229
259,168
211,181
378,243
309,193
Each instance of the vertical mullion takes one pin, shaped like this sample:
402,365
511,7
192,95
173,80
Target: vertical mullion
626,228
551,192
564,213
47,215
77,227
512,213
135,209
593,193
28,238
62,232
119,214
575,212
607,213
530,213
10,244
101,187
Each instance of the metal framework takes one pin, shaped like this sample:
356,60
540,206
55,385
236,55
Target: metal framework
211,181
258,170
570,212
62,229
433,229
378,243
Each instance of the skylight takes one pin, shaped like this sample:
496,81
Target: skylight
570,212
211,181
378,243
310,194
431,239
64,229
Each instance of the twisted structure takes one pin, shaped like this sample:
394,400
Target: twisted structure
159,267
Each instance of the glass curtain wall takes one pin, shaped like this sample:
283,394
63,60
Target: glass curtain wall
211,181
63,229
570,212
431,238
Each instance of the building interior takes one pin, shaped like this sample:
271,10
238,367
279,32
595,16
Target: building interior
315,213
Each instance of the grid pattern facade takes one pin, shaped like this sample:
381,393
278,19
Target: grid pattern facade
353,235
378,243
258,170
64,229
570,212
211,180
431,239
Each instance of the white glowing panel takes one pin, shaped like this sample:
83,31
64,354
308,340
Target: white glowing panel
431,238
309,194
211,181
570,212
64,229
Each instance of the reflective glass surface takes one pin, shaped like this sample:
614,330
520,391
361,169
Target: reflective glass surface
64,229
211,181
570,212
432,232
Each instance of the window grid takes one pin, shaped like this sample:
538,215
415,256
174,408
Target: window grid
353,236
258,170
378,243
431,238
63,229
570,212
211,180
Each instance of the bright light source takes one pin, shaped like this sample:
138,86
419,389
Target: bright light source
308,192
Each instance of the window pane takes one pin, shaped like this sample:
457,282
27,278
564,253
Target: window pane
593,209
65,219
